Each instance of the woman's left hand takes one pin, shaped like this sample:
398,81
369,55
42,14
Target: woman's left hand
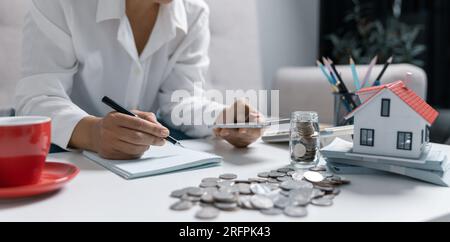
239,112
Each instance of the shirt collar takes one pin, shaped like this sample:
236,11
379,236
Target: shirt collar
110,9
115,9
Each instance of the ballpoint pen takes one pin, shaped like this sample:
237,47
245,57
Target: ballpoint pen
112,104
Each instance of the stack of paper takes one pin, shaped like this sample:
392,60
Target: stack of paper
157,161
432,167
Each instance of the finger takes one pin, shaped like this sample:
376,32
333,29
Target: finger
254,133
135,137
242,111
217,132
243,131
151,117
129,149
139,124
113,154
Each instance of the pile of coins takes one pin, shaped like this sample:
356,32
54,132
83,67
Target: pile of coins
306,146
283,191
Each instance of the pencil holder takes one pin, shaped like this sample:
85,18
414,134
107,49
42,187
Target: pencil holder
344,104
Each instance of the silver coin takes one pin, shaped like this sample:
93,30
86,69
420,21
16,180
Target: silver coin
284,178
263,174
276,174
317,193
298,175
299,150
295,212
336,191
211,190
285,193
211,179
328,175
245,202
188,198
244,189
178,193
208,184
304,192
228,176
207,213
285,170
257,180
271,211
322,202
324,188
182,206
260,189
195,192
261,202
233,189
313,177
299,199
291,185
318,168
290,173
227,206
224,197
207,198
272,180
225,184
242,181
329,197
281,202
306,185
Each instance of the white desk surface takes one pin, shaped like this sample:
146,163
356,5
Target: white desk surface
99,195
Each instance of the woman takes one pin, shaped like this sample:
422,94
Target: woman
136,52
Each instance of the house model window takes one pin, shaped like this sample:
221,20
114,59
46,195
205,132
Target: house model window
385,108
404,140
367,137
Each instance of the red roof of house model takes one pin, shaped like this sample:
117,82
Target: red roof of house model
408,96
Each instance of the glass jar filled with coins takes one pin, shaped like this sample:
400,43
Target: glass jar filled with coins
304,139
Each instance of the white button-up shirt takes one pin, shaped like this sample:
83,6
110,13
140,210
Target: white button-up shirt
77,51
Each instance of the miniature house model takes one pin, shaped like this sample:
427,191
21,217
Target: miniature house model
392,121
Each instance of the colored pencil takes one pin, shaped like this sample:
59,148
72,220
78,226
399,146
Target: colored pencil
325,73
369,71
355,74
341,85
386,65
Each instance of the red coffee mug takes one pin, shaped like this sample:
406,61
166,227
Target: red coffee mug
24,146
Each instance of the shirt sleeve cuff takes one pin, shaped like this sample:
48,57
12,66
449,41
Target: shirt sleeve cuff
63,127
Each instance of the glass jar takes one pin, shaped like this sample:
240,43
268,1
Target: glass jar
304,140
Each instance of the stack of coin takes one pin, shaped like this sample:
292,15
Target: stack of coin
306,147
282,191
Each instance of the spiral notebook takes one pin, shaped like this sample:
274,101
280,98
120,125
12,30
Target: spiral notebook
158,161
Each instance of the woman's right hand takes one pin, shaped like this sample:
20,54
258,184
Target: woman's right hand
118,136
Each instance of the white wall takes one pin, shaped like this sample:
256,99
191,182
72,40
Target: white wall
289,32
